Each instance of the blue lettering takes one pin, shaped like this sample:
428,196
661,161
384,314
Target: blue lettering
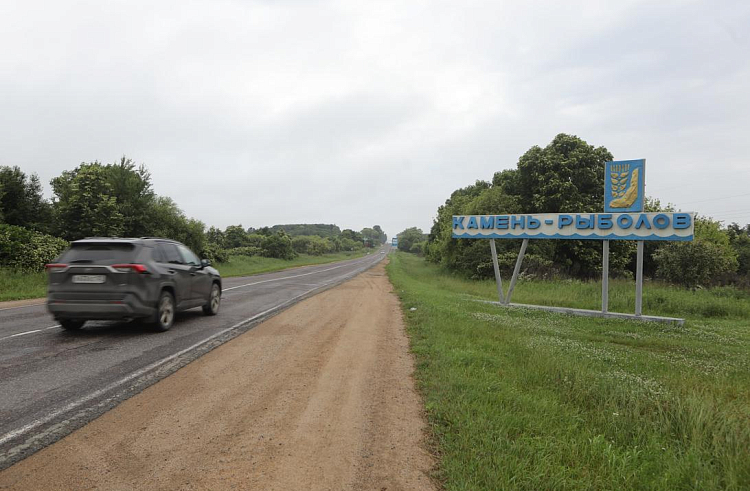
564,221
625,221
604,222
643,222
533,223
458,222
517,221
472,223
681,220
501,221
661,221
583,222
487,222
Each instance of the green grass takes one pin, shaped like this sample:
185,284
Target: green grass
247,265
523,399
15,285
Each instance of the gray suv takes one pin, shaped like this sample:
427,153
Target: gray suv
114,278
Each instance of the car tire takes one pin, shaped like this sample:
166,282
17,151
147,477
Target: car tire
214,301
165,312
72,324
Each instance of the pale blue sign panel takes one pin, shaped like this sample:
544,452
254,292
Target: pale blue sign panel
394,242
624,186
578,226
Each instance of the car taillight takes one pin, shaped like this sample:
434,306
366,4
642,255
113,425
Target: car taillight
55,267
125,268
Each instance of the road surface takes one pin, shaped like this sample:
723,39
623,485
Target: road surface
54,381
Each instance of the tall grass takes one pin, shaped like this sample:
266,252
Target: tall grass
17,285
523,399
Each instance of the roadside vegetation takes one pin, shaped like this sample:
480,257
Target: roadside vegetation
105,200
522,399
567,176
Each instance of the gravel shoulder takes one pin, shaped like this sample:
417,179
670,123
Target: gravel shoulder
319,397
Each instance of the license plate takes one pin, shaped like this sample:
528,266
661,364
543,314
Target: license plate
89,278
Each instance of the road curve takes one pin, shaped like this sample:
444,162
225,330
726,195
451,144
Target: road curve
54,381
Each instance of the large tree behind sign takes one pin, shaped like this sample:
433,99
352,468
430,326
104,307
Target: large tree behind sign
565,176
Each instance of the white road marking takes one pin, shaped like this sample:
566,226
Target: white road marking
79,402
29,332
225,289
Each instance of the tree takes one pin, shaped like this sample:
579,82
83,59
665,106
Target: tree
131,188
21,200
278,245
701,262
409,237
84,205
235,236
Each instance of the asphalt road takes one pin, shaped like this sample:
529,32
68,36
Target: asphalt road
53,381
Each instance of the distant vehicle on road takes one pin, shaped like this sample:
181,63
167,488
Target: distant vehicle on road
119,279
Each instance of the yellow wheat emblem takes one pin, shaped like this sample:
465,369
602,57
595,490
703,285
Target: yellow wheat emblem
622,197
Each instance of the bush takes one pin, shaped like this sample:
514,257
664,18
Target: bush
27,250
693,263
214,253
278,246
245,251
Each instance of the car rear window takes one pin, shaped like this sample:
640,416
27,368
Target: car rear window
98,254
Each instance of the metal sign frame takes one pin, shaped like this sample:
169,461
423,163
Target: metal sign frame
624,193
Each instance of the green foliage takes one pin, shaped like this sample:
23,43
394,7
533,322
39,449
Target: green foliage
278,245
245,251
21,200
522,399
701,262
26,250
214,253
165,219
84,205
409,237
320,229
132,191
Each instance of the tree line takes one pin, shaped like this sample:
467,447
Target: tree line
106,200
567,176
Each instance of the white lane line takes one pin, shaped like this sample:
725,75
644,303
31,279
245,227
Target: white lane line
79,402
286,277
224,290
30,332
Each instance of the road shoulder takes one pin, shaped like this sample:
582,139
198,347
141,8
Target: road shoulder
318,397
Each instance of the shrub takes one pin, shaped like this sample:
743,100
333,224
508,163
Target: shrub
245,251
214,253
27,250
279,246
693,263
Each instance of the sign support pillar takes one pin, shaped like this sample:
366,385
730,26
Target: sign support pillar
516,270
639,280
498,279
605,276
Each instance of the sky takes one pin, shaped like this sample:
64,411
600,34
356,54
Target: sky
362,113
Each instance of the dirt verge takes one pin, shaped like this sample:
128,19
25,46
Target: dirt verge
319,397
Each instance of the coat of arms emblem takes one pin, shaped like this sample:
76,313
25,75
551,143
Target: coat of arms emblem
623,186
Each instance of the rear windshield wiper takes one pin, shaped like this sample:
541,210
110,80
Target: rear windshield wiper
81,261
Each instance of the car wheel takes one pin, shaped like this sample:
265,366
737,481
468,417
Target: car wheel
214,301
164,312
72,324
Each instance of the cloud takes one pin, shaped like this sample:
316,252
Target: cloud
373,112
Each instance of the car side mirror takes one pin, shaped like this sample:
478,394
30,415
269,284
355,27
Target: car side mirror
205,263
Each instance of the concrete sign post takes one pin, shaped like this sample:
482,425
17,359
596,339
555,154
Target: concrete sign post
623,219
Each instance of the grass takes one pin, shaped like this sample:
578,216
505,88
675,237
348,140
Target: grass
16,285
247,265
522,399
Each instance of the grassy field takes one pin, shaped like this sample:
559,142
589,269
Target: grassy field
522,399
19,286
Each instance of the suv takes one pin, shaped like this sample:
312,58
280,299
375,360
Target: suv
115,278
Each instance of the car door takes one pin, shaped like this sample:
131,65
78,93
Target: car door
200,278
178,271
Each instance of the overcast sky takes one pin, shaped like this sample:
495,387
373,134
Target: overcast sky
363,113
